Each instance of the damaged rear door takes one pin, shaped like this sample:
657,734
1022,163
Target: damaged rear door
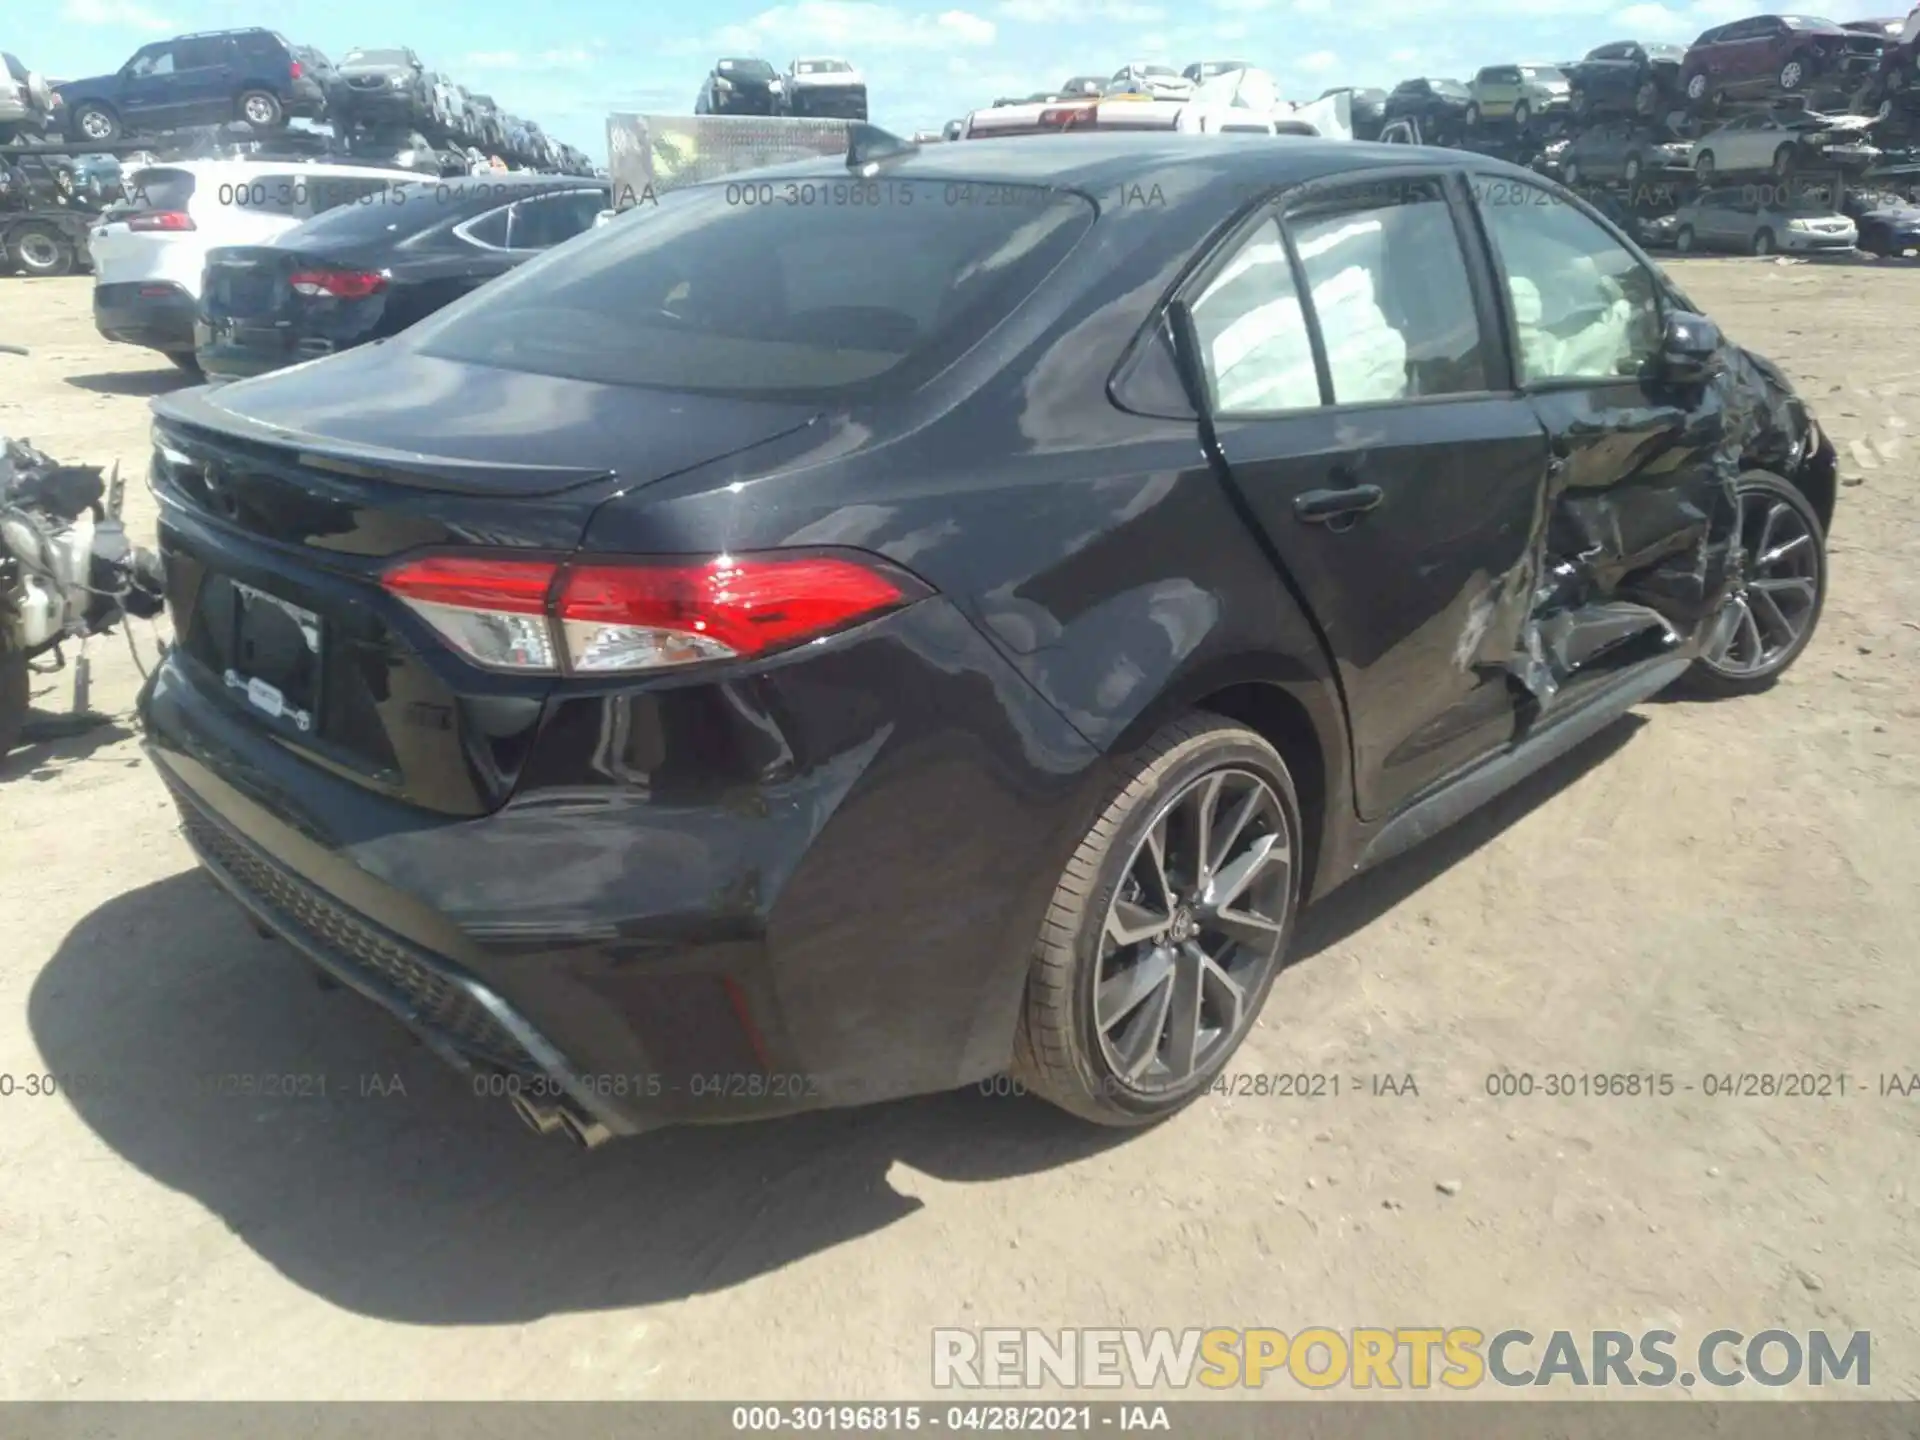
1639,502
1357,398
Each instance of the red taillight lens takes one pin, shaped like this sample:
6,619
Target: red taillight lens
161,220
296,70
612,617
341,284
1067,117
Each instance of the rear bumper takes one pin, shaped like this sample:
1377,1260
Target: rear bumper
237,357
306,98
855,932
157,315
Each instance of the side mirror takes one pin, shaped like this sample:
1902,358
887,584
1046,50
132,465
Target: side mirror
603,217
1688,348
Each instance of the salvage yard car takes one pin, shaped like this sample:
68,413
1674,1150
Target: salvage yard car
1773,55
207,78
824,88
1761,220
1517,93
150,253
1782,142
1626,77
1622,151
361,272
758,658
740,86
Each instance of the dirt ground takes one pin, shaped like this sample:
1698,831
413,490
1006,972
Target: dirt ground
1706,889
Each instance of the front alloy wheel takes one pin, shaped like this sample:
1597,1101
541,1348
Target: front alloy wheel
1771,616
1791,74
1166,929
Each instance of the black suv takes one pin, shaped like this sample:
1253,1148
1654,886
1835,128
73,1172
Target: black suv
202,79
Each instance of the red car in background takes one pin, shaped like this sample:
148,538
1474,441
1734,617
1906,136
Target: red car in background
1767,56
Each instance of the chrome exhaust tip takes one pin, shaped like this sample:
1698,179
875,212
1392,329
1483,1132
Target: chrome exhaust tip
541,1119
587,1134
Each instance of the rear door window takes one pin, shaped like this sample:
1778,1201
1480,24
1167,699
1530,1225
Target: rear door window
1388,283
838,297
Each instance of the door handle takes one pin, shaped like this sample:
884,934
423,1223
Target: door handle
1318,507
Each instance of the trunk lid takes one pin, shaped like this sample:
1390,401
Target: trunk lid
497,434
284,498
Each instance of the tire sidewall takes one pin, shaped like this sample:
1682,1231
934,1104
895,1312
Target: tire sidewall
1221,749
63,258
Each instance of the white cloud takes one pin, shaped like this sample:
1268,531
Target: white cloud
1318,63
1080,12
126,13
1404,57
854,25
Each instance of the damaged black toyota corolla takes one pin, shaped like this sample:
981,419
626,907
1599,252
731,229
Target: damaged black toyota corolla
950,618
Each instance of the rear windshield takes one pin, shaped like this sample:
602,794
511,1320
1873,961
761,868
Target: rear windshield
754,69
821,67
1543,72
376,57
1447,87
1807,22
837,298
360,211
160,189
1666,52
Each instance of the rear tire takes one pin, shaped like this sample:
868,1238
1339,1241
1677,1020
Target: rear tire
1789,592
1521,114
1703,166
1763,242
1683,239
1093,1000
261,109
39,249
1783,161
186,362
1473,117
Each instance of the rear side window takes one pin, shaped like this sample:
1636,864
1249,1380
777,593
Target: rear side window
710,292
546,220
356,208
1389,287
1254,343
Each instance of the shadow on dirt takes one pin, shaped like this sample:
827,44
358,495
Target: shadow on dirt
365,1170
134,382
1359,903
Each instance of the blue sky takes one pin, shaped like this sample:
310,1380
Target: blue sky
567,64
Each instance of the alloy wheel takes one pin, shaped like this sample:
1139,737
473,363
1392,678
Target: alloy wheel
95,126
1791,75
1193,930
1768,617
259,110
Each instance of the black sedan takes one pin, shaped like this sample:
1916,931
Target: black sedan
774,656
359,272
740,86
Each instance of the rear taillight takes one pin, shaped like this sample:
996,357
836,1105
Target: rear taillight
341,284
161,220
295,70
626,616
1067,117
